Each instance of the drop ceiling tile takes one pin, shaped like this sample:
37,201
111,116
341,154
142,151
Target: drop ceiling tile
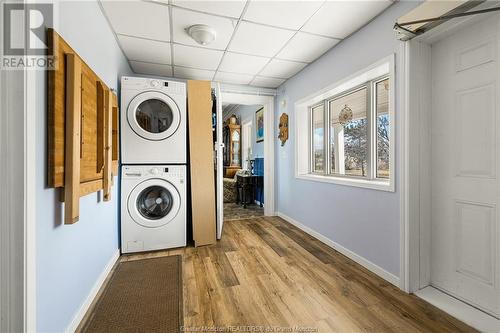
267,82
242,63
151,69
225,8
306,48
278,68
196,57
139,19
193,74
183,19
341,18
272,12
233,78
145,49
259,40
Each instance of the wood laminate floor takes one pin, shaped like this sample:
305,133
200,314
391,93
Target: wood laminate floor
266,272
234,211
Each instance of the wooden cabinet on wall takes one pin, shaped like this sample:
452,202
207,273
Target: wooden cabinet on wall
82,115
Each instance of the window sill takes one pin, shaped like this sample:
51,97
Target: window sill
379,185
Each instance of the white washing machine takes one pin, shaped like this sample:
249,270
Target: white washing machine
153,207
153,121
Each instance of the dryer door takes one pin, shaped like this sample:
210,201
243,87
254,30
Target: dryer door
154,203
153,115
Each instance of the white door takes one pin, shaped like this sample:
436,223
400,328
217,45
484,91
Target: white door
465,251
219,147
246,144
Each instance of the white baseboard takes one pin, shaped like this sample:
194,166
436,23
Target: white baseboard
460,310
77,318
348,253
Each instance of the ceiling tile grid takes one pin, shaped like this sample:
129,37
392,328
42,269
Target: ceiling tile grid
150,69
145,50
242,63
260,43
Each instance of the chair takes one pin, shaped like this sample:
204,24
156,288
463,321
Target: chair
230,191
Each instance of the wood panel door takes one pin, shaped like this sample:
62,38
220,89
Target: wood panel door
465,259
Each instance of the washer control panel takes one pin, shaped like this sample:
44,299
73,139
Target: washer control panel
162,171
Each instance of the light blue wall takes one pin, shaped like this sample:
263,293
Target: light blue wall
361,220
246,113
70,258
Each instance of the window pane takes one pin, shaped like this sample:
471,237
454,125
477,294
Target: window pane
383,122
348,134
318,138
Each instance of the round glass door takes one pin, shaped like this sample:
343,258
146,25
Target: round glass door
153,115
153,203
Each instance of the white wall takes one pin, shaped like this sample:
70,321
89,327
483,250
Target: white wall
363,221
70,258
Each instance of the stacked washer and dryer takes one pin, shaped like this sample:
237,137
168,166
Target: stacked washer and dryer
154,172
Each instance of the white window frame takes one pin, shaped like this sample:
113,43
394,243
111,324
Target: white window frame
311,140
369,77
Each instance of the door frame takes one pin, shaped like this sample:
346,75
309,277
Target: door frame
17,217
416,94
267,101
415,213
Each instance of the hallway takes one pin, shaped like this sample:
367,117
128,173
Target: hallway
265,272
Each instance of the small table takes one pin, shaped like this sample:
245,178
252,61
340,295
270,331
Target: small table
247,185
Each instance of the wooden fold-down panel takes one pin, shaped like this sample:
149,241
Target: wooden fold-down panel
92,124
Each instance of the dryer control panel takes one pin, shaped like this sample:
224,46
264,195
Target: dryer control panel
143,84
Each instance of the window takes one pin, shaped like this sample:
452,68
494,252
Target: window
349,137
345,131
350,133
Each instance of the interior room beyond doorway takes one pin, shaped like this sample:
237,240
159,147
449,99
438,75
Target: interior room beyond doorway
243,135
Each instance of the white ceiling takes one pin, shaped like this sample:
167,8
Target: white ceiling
260,43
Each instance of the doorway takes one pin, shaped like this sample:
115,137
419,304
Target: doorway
453,223
243,182
465,157
247,98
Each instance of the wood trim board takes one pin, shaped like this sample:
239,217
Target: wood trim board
108,141
73,142
202,164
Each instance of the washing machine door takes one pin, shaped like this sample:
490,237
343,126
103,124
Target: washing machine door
153,115
154,203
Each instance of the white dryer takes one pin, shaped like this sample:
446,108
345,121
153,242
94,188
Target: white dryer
153,207
153,121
